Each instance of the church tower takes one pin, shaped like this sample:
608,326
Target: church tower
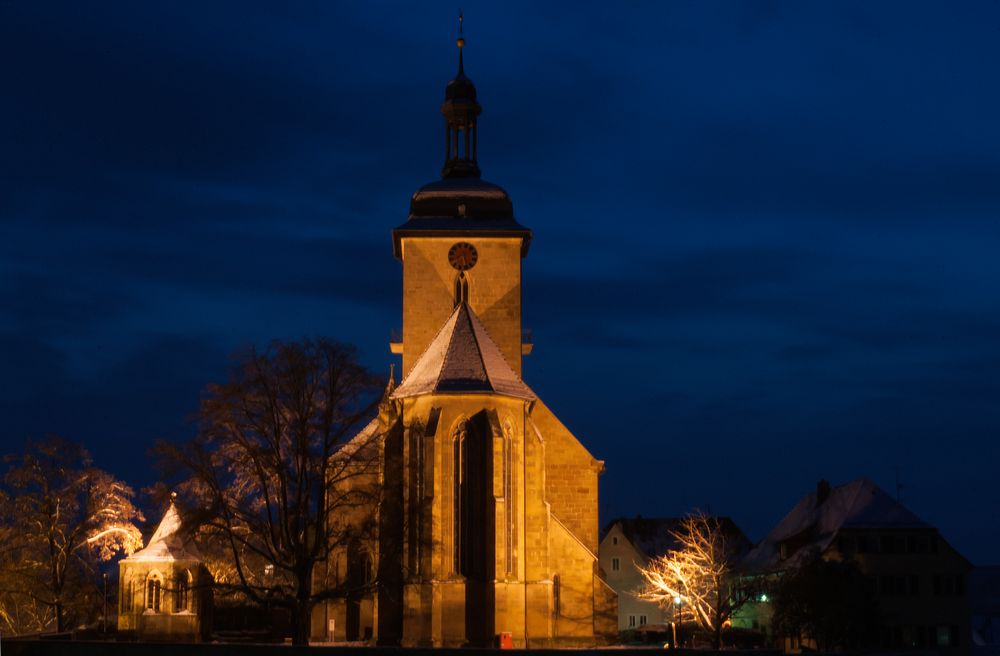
461,242
487,523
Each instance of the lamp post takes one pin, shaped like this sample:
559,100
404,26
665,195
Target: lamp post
673,624
104,617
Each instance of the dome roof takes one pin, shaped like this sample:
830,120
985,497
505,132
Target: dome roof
461,88
471,198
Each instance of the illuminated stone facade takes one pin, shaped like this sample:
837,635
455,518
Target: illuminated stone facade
488,522
164,589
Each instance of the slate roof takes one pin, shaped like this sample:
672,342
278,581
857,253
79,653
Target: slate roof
168,542
462,358
653,536
461,207
858,504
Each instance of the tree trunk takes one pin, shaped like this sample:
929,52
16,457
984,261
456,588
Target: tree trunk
301,616
60,622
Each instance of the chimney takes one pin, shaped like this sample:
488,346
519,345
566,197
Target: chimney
822,492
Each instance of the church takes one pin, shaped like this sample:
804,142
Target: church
487,527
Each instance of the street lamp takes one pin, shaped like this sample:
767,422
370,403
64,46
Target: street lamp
677,605
104,618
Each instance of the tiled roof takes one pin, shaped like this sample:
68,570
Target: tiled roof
815,521
654,536
462,358
168,542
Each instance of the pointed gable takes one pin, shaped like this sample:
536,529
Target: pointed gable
462,358
168,542
819,515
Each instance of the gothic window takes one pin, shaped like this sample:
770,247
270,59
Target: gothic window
369,569
153,587
461,289
182,591
508,488
458,457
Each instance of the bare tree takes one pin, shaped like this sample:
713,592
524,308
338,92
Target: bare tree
62,517
698,574
271,470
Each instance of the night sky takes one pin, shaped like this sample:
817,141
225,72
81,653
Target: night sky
766,234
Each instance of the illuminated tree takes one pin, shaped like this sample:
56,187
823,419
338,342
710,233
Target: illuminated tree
697,575
270,473
61,518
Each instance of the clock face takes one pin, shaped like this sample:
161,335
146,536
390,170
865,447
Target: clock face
462,256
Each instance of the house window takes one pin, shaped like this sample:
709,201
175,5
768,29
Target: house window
615,564
153,594
614,540
642,620
631,621
947,636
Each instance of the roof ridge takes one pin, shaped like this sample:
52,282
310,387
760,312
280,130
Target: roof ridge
479,347
498,349
427,348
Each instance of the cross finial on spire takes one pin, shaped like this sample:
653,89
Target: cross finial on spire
460,43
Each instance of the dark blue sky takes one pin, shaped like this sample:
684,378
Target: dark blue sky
766,234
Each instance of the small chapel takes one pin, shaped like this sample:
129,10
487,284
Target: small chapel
488,520
165,590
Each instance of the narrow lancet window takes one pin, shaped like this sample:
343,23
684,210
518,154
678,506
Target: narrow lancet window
461,289
153,594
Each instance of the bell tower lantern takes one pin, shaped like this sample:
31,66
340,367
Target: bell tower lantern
460,111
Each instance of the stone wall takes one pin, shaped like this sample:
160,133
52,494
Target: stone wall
570,477
429,292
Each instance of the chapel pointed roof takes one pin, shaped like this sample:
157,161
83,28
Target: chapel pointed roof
462,358
168,542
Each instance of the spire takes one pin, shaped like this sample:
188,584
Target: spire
460,110
390,384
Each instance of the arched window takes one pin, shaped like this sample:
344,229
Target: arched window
461,289
182,592
458,459
153,586
127,596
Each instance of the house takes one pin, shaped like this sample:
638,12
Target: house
918,579
984,599
628,544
